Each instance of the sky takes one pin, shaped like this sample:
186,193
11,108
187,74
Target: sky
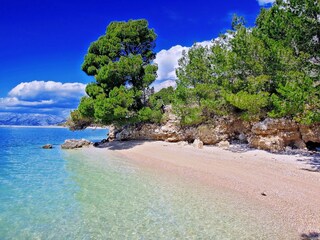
43,43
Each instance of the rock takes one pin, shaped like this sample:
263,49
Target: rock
222,129
122,135
264,194
269,143
211,134
47,146
169,132
310,133
75,143
275,134
183,143
103,143
224,144
243,138
272,126
271,134
112,132
197,144
173,139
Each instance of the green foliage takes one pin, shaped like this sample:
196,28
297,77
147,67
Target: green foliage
77,121
121,62
147,114
189,116
93,90
294,22
199,104
86,107
164,97
298,99
117,108
194,67
250,104
270,70
154,112
122,39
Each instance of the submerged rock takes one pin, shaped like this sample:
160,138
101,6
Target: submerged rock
75,143
47,146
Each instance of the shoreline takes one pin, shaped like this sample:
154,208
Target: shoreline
285,185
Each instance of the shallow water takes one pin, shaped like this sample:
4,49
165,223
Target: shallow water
55,194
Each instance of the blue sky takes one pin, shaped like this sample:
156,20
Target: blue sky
43,42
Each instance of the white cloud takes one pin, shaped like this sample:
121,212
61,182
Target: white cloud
13,102
167,83
167,61
265,2
43,96
49,89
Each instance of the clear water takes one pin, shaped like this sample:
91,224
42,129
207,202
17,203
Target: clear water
63,194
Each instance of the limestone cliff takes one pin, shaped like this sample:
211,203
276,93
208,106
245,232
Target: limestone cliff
270,134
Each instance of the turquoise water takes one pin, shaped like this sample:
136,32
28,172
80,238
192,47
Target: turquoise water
75,194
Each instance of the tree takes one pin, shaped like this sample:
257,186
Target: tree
296,24
269,70
121,63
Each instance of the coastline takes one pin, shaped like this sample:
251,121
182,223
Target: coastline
281,185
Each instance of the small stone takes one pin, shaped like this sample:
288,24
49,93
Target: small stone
182,143
224,144
198,144
242,137
264,194
47,146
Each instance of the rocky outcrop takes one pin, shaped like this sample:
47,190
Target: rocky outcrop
75,143
210,134
113,130
219,129
276,134
310,133
271,134
222,129
169,132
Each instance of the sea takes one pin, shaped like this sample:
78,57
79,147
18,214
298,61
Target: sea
70,194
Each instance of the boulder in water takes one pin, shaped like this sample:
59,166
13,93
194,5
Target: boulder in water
47,146
75,143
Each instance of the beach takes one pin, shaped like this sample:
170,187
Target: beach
279,185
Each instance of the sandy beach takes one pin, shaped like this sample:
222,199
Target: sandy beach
287,186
